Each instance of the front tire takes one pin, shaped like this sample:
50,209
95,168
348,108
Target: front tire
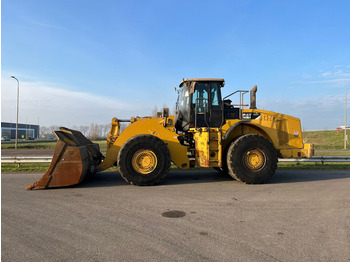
144,160
252,159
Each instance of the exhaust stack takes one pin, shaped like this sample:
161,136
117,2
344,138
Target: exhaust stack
253,97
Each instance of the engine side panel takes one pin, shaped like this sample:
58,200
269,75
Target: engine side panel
282,130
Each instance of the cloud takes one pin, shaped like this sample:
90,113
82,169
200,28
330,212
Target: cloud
315,113
339,77
51,26
52,104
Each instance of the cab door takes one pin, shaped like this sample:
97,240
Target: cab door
207,105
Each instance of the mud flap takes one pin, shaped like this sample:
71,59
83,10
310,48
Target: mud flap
74,159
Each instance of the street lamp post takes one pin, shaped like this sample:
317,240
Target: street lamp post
17,111
346,105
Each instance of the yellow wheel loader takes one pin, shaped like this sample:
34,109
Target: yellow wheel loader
207,131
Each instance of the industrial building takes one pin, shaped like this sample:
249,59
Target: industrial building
24,130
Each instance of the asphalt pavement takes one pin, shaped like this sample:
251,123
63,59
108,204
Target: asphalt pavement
193,215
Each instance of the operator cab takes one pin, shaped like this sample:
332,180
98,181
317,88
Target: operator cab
199,104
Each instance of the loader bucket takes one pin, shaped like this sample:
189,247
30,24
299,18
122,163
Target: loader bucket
75,158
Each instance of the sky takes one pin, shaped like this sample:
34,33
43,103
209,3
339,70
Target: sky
82,62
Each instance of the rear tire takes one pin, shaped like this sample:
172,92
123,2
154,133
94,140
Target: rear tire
252,159
144,160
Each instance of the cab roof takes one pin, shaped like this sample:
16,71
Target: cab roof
222,81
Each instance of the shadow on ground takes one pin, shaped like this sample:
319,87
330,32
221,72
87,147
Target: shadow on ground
106,179
177,177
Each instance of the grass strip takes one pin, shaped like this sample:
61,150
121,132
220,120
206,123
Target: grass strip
25,167
42,145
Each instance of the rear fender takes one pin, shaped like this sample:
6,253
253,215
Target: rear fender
241,128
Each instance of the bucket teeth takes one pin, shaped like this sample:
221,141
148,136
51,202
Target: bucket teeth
30,187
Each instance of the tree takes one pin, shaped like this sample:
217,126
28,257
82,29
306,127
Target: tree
94,132
83,129
47,131
155,111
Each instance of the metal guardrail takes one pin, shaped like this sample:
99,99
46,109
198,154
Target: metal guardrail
317,159
47,159
25,159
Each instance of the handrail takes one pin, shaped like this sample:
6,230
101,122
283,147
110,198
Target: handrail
241,91
241,104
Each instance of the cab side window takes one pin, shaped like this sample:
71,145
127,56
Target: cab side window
215,95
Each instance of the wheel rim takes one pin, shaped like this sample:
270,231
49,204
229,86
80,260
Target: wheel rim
254,160
144,161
